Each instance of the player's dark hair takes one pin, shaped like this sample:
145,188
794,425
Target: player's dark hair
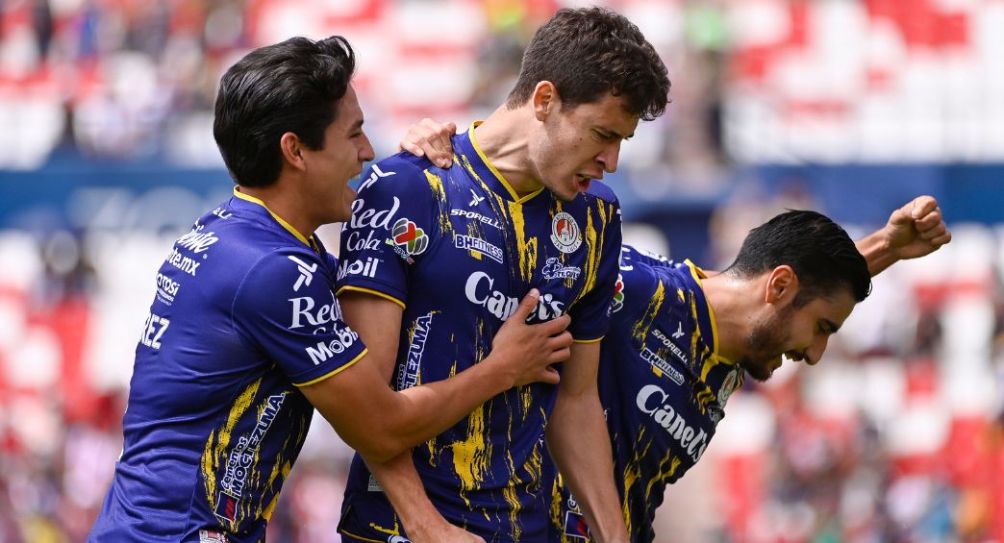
292,86
819,250
588,53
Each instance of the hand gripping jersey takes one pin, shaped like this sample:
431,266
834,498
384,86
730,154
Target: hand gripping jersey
244,313
662,385
459,249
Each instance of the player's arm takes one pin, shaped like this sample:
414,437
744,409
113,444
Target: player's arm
430,139
578,441
914,230
381,423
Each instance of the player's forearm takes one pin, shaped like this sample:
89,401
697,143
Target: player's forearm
406,493
432,408
588,470
877,252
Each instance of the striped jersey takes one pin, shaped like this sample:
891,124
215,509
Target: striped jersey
244,312
662,385
458,249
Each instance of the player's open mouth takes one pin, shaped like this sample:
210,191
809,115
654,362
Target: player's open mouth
582,182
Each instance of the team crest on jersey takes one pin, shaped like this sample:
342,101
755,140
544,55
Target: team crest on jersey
565,233
618,302
729,385
407,239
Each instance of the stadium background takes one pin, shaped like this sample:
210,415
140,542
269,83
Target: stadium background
849,107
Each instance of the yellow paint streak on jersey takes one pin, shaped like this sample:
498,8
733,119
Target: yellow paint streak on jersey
216,454
511,498
396,530
267,514
557,503
640,330
525,248
471,456
436,184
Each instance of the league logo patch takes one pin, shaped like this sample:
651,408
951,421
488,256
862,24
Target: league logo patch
565,233
575,526
618,302
408,239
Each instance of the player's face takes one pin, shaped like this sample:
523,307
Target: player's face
581,143
346,148
798,334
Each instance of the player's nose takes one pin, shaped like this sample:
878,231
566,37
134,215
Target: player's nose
609,157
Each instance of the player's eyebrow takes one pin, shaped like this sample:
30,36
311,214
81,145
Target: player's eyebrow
612,134
829,326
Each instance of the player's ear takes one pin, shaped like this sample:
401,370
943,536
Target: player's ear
545,100
292,150
782,284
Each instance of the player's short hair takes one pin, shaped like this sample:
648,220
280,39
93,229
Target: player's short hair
819,250
291,86
589,52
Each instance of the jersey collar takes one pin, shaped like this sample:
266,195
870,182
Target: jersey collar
475,161
705,314
309,242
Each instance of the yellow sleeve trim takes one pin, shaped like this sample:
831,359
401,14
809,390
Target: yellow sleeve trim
588,340
334,372
373,292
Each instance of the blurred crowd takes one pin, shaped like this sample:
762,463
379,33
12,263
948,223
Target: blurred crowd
895,437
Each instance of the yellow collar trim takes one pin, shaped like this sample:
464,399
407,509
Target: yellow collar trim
698,274
278,219
512,193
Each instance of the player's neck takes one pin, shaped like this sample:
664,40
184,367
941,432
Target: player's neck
504,138
284,204
729,297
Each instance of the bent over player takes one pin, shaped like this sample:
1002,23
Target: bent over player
245,338
681,340
436,259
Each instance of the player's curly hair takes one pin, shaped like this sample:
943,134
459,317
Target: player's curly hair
589,52
822,254
291,86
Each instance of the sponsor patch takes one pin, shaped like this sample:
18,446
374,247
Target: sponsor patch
565,233
659,362
364,268
408,376
475,216
226,507
211,536
478,245
167,289
575,526
553,269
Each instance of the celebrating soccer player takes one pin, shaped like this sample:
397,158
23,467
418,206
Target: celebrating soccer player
245,338
436,259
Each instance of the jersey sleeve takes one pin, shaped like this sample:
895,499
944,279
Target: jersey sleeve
286,306
393,223
591,315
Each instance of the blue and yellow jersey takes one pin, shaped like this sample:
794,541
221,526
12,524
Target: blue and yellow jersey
662,385
244,313
457,248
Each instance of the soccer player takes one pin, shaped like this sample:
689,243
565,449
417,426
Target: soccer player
682,340
667,367
435,260
245,338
